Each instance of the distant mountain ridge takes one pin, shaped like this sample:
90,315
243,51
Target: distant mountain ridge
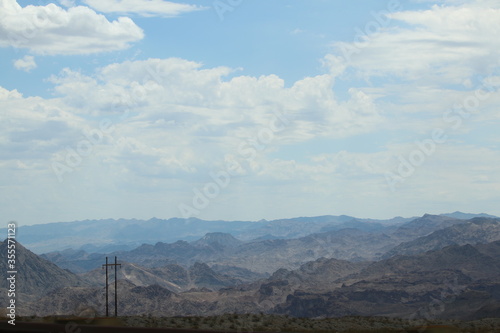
109,235
423,226
266,256
476,230
467,216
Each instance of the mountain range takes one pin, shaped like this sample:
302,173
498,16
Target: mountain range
109,235
263,257
435,265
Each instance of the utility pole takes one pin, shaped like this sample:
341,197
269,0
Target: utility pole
116,290
107,311
116,286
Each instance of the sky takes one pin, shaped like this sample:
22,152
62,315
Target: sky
248,109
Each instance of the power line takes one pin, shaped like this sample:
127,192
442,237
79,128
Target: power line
116,286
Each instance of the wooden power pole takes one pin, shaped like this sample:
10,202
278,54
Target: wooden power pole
116,286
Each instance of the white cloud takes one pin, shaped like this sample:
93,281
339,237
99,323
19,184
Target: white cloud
182,91
445,44
27,63
143,7
53,30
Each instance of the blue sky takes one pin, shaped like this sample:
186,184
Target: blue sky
243,110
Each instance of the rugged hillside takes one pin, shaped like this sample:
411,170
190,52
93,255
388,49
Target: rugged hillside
218,240
77,261
161,300
172,277
259,258
346,244
321,274
151,300
439,282
35,275
454,282
477,230
457,282
180,252
477,262
139,276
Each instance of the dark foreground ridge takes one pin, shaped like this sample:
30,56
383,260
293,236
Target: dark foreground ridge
246,323
75,328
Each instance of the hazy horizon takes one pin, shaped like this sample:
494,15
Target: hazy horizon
260,220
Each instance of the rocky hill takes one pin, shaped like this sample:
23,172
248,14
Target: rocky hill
440,283
36,276
218,240
172,277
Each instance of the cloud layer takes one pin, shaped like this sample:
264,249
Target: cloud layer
203,113
138,138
